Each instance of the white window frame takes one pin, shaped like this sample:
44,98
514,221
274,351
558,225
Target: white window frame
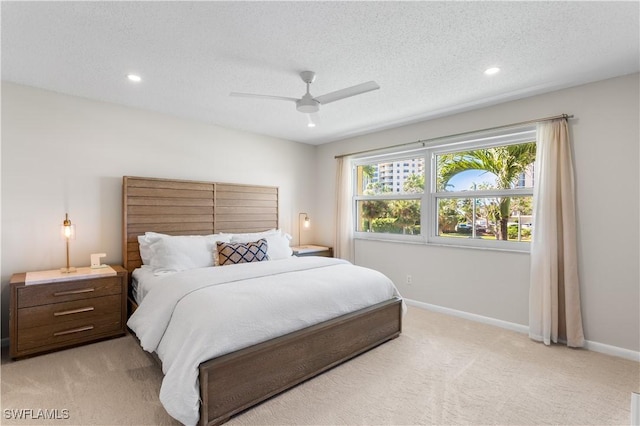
386,158
428,199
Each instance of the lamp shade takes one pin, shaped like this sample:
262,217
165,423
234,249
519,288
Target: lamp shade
67,229
306,223
68,233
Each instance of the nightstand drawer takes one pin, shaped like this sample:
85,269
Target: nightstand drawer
38,294
69,312
76,331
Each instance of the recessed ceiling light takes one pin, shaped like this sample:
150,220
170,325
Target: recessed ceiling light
491,71
135,78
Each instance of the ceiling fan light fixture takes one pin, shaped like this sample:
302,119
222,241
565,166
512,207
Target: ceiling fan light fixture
310,122
134,77
492,71
307,104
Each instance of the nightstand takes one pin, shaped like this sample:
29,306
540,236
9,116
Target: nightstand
50,310
311,250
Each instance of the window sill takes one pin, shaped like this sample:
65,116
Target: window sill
420,241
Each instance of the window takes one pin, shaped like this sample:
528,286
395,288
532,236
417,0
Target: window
471,192
381,210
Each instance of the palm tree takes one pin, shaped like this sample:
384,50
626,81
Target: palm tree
407,214
373,209
505,162
448,215
368,172
414,184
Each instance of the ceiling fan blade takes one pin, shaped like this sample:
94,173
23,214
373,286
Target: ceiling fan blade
253,95
347,92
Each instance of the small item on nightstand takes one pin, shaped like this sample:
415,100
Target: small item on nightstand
95,260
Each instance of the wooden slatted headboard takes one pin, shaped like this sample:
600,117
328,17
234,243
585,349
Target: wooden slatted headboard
181,207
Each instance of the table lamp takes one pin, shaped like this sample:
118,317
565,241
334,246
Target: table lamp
306,224
68,232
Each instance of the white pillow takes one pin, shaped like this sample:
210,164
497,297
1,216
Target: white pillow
277,242
166,253
250,236
145,242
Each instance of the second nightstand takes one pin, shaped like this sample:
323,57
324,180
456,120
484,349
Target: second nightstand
311,250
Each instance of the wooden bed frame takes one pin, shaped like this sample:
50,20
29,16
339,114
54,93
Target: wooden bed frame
234,382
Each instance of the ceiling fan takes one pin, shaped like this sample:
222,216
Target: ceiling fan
310,104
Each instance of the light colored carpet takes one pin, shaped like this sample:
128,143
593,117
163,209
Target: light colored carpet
441,370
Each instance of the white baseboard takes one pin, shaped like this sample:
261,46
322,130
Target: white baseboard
612,350
589,345
466,315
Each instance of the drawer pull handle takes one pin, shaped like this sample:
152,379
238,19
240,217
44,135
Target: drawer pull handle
66,293
73,311
74,330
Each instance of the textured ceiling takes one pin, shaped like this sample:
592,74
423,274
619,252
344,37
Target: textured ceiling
428,57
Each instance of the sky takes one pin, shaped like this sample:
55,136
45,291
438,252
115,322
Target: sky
464,181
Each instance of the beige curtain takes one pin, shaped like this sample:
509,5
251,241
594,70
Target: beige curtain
554,293
344,248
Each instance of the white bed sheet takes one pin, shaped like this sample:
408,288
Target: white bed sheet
193,316
141,282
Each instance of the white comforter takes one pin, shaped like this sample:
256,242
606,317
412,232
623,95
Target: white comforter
193,316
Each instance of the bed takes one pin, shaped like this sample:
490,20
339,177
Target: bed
233,381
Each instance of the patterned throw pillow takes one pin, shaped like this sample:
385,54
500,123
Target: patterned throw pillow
232,253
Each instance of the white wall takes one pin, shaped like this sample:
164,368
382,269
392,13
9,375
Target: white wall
605,134
66,154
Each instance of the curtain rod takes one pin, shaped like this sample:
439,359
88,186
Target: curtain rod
423,141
